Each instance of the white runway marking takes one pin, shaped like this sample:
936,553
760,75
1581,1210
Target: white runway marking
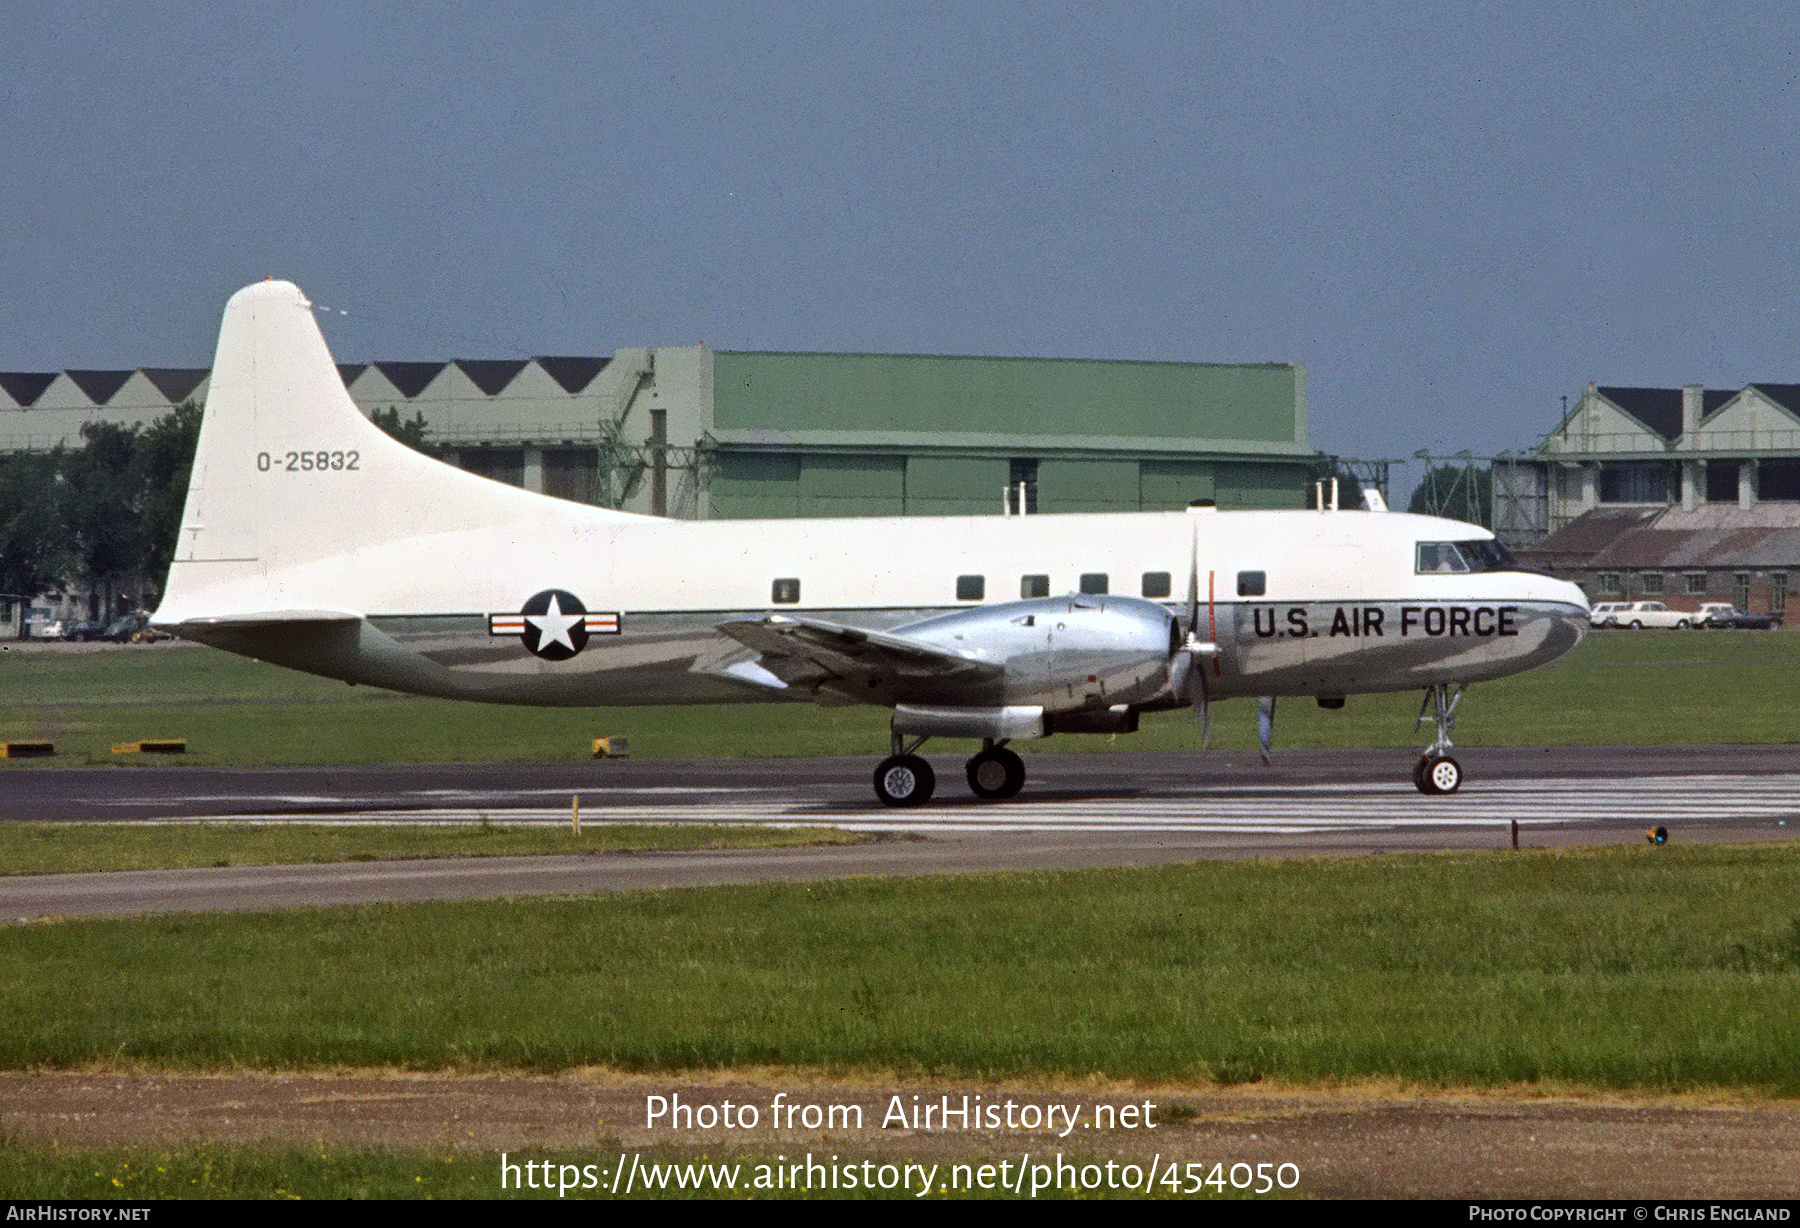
1263,810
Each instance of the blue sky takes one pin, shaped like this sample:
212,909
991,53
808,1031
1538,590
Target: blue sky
1453,215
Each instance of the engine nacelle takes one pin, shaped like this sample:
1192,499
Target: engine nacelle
1064,654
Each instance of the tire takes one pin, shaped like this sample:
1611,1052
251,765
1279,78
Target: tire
996,774
1681,625
1636,625
904,780
1438,775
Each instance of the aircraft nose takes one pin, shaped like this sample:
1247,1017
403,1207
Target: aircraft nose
1570,610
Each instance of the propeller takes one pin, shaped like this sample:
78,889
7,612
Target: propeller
1190,650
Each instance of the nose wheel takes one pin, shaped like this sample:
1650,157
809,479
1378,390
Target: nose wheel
1436,772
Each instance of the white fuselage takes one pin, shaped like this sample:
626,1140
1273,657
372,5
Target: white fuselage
1341,610
311,539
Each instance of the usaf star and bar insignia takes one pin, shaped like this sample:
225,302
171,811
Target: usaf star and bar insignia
554,625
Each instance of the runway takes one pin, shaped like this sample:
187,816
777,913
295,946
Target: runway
1078,810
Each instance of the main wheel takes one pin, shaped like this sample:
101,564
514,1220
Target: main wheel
1438,774
904,780
996,774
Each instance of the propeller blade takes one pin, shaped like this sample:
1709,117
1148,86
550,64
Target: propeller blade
1203,712
1181,668
1193,610
1265,725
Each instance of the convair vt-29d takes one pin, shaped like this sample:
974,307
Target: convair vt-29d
312,540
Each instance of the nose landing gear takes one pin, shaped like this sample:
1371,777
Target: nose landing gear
1436,772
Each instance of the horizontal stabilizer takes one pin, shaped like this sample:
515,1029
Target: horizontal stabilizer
850,650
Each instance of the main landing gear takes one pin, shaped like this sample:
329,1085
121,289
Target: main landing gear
1436,772
904,779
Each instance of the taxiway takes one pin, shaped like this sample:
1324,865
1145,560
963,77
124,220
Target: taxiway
1079,810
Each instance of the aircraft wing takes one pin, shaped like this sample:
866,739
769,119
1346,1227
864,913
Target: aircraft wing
267,618
843,651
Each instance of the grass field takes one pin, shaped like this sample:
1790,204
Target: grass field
74,848
244,1171
1638,967
1616,687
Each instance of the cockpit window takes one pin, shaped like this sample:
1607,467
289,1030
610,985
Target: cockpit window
1444,558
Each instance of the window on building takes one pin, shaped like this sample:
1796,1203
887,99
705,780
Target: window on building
500,464
1634,482
1093,582
1156,584
1778,592
785,592
1610,583
1252,583
971,588
569,473
1722,481
1740,590
1695,583
1778,478
1034,586
1650,583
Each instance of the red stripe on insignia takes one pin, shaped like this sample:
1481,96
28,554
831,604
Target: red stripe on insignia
602,624
506,624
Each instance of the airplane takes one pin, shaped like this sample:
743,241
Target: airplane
312,540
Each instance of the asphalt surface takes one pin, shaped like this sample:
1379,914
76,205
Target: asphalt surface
1078,810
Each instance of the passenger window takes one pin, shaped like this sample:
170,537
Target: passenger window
971,588
1156,584
1093,582
1252,583
1034,586
785,592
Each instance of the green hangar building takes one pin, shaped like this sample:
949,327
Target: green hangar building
697,433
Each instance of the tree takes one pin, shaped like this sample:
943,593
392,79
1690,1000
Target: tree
36,551
1458,492
101,514
411,431
123,495
161,466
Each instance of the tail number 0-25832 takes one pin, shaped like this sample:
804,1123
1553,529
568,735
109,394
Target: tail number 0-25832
308,462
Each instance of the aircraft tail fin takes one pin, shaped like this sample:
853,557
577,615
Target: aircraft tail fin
291,483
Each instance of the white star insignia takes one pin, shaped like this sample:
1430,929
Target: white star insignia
553,626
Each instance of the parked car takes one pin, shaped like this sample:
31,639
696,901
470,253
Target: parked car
44,628
1719,615
1605,614
132,628
1652,614
86,629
